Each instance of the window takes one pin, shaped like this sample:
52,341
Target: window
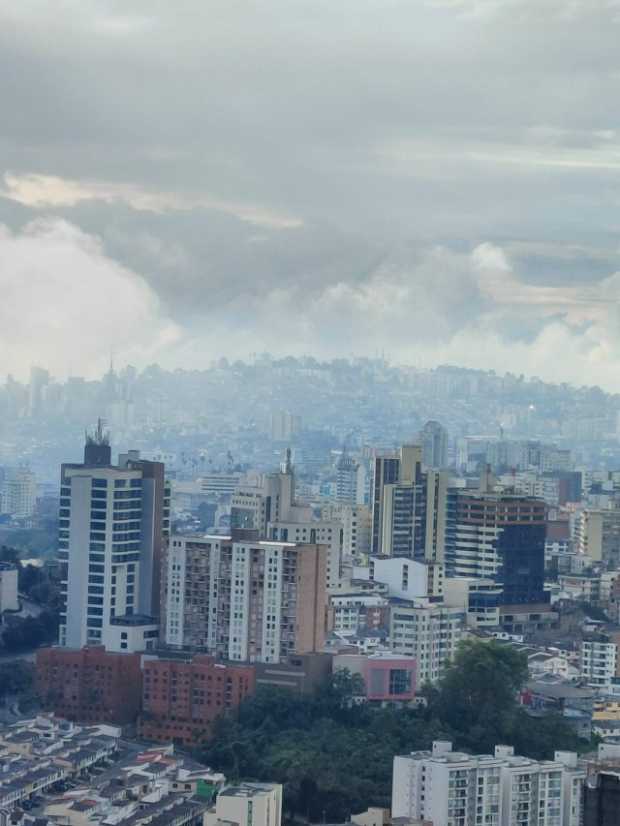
400,681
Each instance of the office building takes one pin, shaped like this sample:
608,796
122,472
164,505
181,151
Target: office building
387,470
428,632
182,698
500,536
112,525
457,789
409,507
247,804
434,441
256,601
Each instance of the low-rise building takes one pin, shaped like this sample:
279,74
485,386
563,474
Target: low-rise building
43,752
247,804
388,678
301,673
90,684
353,610
182,697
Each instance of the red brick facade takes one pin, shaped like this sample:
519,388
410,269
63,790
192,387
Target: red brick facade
181,699
90,685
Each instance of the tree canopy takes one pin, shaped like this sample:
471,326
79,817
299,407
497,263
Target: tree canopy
334,756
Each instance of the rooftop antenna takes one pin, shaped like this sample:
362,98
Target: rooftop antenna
99,436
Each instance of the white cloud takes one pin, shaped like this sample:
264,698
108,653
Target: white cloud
468,309
66,305
51,191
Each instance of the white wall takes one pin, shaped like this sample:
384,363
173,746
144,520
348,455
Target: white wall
392,570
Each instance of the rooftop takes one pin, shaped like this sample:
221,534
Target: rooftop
248,789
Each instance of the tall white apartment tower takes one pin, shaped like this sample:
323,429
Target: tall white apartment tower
113,520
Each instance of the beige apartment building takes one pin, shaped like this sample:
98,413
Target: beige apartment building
245,600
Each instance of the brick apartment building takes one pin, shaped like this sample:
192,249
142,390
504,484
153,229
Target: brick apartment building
182,698
90,685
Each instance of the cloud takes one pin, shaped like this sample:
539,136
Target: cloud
51,191
66,305
435,179
469,308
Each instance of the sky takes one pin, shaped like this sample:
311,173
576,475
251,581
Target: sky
434,180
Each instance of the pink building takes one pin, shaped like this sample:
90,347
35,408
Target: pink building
387,677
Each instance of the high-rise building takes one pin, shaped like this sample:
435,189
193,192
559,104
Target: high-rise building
272,511
499,536
602,799
429,632
9,600
600,659
389,470
434,441
112,523
410,507
347,470
356,525
256,601
598,535
255,507
457,789
39,379
284,426
18,493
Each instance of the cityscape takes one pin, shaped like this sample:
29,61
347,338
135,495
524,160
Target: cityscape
461,586
309,413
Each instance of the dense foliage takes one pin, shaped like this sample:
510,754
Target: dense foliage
335,756
35,583
16,679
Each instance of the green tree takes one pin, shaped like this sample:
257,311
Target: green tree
478,693
16,677
335,755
